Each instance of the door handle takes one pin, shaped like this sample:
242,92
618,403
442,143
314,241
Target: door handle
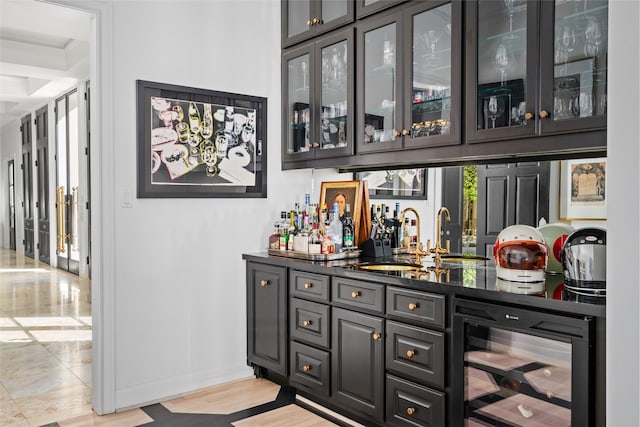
60,219
73,216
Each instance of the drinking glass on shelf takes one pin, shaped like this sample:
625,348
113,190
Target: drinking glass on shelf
431,38
565,44
304,67
495,108
501,61
593,36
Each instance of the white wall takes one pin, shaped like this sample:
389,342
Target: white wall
179,275
10,139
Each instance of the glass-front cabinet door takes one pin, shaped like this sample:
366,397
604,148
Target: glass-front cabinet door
318,94
432,79
379,121
501,75
368,7
574,65
303,19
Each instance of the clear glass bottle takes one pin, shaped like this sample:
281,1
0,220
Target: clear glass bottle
335,229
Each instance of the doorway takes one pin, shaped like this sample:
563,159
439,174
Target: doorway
27,188
12,203
67,183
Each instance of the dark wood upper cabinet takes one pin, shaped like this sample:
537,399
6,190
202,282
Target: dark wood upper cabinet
534,68
303,19
318,93
369,7
408,73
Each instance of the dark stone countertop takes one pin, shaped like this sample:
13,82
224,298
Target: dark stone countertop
462,279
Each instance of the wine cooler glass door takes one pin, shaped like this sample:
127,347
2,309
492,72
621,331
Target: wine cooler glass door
514,374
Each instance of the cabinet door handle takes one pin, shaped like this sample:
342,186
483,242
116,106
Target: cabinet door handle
308,285
306,368
264,283
309,23
307,323
411,411
410,353
316,21
544,114
405,132
355,294
316,144
396,133
376,336
413,306
528,116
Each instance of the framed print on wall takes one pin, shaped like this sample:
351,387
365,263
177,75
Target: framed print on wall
396,184
583,189
200,143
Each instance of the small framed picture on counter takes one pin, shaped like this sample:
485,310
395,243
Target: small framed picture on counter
343,193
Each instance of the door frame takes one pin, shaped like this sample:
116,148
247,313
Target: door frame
104,201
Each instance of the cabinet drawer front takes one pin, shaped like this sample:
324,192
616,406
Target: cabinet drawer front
310,368
416,306
309,322
415,352
365,295
309,285
409,404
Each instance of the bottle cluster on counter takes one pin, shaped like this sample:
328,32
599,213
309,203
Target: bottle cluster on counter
401,232
313,229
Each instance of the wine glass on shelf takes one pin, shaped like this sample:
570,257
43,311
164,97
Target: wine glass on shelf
501,61
304,67
565,44
593,36
431,38
495,108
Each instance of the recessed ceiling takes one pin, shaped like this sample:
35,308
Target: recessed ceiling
44,52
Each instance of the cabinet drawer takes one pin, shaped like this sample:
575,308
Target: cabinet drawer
309,322
310,368
365,295
409,404
416,306
415,352
309,285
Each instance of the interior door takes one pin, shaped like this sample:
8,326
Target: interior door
27,185
12,204
452,199
508,194
67,183
42,171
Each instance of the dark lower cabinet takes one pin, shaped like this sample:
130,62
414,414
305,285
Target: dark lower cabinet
310,368
267,317
357,363
409,404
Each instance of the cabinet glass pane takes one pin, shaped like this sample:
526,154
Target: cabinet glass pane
431,91
516,379
333,9
298,104
298,15
380,84
502,63
580,59
333,116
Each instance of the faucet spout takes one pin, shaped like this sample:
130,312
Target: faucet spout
438,250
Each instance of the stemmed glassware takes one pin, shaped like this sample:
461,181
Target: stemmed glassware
593,36
565,44
501,61
304,67
495,108
431,38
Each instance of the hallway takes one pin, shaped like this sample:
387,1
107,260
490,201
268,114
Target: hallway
45,365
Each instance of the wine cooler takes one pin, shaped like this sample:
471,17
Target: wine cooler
517,367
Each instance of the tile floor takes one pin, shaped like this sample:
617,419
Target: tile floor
45,365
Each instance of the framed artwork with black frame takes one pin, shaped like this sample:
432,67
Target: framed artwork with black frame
396,184
200,143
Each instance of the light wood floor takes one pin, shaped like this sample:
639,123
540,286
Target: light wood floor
45,365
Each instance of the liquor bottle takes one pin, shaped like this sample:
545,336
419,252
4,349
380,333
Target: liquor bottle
335,229
292,231
274,239
284,231
348,230
315,240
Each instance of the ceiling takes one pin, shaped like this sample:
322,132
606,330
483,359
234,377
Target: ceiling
44,52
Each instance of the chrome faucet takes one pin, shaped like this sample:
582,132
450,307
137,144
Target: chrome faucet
438,250
418,252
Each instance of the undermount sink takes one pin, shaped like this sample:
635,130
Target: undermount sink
390,266
476,258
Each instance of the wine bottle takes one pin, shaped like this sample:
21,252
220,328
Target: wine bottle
194,118
348,230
